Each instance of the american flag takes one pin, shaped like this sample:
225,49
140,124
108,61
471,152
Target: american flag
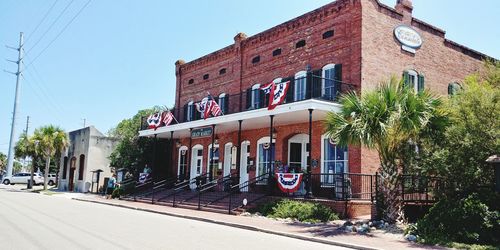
168,118
214,108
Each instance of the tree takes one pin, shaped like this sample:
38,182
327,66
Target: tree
3,161
132,152
26,147
51,141
388,120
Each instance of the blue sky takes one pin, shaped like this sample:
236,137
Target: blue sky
118,57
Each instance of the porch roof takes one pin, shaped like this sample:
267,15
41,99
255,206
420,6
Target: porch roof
291,113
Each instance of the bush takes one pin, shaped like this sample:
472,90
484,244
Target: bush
301,211
464,220
117,193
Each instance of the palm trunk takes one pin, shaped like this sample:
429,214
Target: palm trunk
390,190
46,174
33,161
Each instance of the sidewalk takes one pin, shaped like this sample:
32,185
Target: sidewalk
323,233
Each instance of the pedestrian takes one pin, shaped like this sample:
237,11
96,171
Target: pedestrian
111,186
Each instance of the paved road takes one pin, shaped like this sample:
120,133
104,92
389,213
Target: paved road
35,221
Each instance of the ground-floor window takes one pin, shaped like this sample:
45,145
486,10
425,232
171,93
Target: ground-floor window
335,161
265,158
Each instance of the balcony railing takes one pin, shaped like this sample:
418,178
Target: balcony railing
304,88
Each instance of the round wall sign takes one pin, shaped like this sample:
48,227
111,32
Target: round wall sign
408,36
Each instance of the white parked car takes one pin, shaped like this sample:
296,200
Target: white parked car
22,178
51,180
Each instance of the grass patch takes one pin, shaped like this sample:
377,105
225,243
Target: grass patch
298,210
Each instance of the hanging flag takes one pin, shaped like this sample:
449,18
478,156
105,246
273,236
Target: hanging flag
202,107
277,93
288,182
154,120
215,109
168,117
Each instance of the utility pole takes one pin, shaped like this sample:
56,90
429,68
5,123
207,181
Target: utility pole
10,159
27,125
84,122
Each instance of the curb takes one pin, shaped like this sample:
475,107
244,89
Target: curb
236,225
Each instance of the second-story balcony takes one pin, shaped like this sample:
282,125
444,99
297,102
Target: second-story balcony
312,91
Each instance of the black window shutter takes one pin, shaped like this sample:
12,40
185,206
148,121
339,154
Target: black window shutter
226,104
291,87
316,82
421,83
185,112
338,80
309,84
196,113
263,98
249,98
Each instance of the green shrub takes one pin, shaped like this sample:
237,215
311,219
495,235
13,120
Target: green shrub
463,220
117,193
301,211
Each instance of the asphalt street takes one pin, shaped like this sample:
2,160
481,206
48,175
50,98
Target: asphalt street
36,221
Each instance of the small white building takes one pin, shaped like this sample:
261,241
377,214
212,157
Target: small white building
88,151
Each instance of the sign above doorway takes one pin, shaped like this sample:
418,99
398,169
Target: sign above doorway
201,132
409,38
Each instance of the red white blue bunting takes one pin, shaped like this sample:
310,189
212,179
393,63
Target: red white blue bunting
289,182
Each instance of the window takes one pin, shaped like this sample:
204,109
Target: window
334,161
277,52
328,85
300,85
413,80
213,161
255,103
222,71
191,81
300,44
190,111
264,163
223,102
256,59
65,167
453,88
81,168
328,34
205,76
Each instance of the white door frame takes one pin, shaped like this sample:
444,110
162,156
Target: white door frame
228,155
243,161
262,140
194,160
303,139
179,155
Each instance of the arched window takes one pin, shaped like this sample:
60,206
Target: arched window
414,80
222,71
190,111
300,86
300,44
328,84
191,81
206,76
277,52
334,160
223,102
81,167
453,88
256,59
265,158
328,34
256,96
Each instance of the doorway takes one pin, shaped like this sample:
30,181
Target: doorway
196,163
244,161
71,178
182,163
214,168
298,153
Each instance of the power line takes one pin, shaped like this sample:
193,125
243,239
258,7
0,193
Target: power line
50,27
59,34
41,21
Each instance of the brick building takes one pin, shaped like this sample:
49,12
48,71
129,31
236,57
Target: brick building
344,45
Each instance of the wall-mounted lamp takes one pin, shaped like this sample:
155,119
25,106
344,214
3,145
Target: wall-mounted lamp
178,144
275,133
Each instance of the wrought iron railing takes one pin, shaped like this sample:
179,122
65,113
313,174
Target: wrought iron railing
311,86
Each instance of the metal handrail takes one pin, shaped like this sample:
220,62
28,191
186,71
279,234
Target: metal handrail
241,186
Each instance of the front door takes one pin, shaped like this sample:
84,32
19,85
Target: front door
214,168
182,164
298,153
245,157
196,164
71,178
228,159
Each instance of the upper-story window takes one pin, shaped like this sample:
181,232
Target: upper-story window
328,84
206,76
413,80
300,86
222,71
191,81
300,44
223,102
190,111
255,100
277,52
256,59
328,34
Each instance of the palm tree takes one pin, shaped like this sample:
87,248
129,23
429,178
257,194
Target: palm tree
27,147
51,141
385,120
